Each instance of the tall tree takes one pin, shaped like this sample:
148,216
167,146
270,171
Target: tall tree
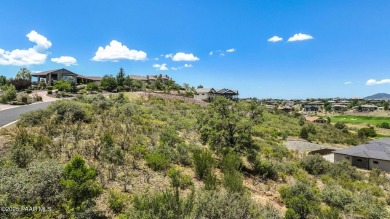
120,77
3,80
227,125
24,73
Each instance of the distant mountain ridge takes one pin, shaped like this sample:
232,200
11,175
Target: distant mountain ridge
379,96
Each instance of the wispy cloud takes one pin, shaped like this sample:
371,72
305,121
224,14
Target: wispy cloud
300,37
348,82
116,51
275,39
180,67
231,50
222,52
375,82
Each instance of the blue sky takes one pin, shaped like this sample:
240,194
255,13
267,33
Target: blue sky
340,48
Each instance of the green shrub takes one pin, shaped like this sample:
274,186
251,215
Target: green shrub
92,86
116,201
301,198
203,163
49,92
179,180
79,184
70,110
336,196
33,118
161,205
264,169
231,162
304,133
340,125
157,161
384,125
49,88
366,132
315,164
9,93
62,85
232,181
221,204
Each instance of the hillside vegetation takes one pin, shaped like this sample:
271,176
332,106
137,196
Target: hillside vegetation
151,157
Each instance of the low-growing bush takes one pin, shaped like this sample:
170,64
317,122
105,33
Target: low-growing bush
336,196
384,125
157,161
315,164
33,118
340,125
116,201
203,163
366,132
70,110
161,205
264,169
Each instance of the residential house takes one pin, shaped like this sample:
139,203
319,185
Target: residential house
208,94
151,78
339,107
374,154
61,74
314,106
368,108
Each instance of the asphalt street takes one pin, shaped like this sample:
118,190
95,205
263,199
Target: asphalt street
10,115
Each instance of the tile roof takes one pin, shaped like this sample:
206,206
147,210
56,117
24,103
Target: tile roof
377,149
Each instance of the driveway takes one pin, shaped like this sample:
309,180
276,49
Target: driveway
10,115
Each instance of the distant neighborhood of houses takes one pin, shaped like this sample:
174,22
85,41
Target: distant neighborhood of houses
164,83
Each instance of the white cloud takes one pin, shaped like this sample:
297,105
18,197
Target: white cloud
181,56
211,53
348,82
117,51
31,56
156,59
65,60
187,65
170,55
375,82
299,37
162,67
173,68
41,42
231,50
275,39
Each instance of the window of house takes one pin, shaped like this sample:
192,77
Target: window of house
360,160
376,162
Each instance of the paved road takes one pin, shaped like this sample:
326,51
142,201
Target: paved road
10,115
